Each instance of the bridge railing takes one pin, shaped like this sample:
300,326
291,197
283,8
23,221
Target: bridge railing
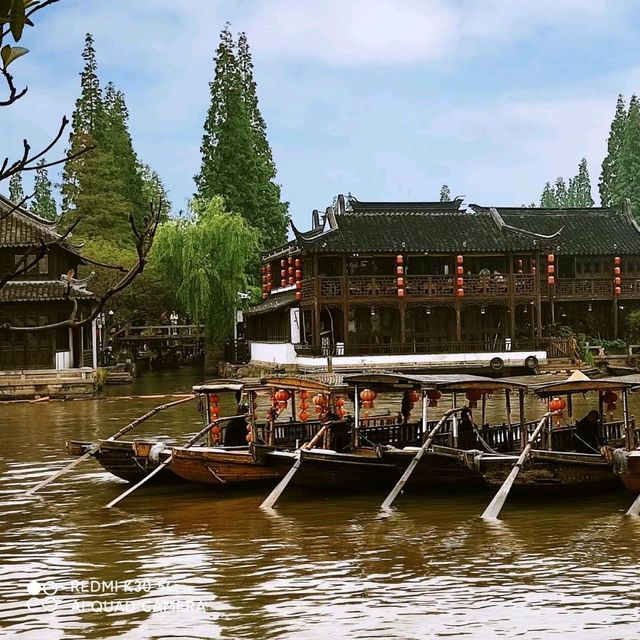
162,330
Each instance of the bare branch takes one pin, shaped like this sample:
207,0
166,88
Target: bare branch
16,206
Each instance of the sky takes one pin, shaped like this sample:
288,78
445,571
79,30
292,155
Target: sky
383,99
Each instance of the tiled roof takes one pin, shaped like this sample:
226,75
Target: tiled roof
441,227
273,302
24,229
41,291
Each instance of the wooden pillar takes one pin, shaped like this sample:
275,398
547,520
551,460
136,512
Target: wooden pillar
615,318
316,302
458,310
538,296
512,319
345,302
402,308
524,436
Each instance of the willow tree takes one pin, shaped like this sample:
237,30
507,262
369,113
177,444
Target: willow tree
204,258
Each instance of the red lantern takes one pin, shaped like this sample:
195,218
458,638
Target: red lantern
340,402
459,259
611,407
434,395
263,269
399,259
303,405
400,282
460,270
400,293
297,263
290,260
282,394
460,293
269,268
609,397
616,271
304,416
551,280
399,270
460,282
551,258
283,263
557,404
291,271
304,394
618,291
298,274
282,405
367,395
617,281
551,269
616,261
473,396
298,284
292,280
283,273
283,283
319,400
213,398
519,263
249,438
367,404
340,412
414,396
298,296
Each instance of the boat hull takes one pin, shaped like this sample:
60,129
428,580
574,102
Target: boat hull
631,478
326,470
222,468
439,468
554,472
128,460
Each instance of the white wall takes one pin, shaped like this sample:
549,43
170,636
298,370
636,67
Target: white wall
273,352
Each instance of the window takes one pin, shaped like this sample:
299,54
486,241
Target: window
43,265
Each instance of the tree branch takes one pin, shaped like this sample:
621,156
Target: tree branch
144,242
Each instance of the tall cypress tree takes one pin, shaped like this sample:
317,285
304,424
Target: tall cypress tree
273,215
43,203
445,194
90,188
229,160
16,191
548,198
611,163
628,183
579,192
237,161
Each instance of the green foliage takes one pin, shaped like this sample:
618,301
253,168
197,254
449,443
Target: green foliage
237,162
611,163
608,344
633,326
43,203
628,183
203,258
153,190
16,191
445,194
105,185
577,194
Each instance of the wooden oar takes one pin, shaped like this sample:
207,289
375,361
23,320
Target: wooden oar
161,466
95,447
495,506
273,497
388,501
634,509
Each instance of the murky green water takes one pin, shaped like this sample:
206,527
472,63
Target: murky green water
184,562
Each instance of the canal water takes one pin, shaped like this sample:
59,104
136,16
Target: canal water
184,562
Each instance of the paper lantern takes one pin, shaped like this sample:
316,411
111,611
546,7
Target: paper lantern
400,282
298,274
304,416
298,296
618,291
304,394
290,260
434,395
269,268
557,404
414,396
551,269
282,394
616,261
459,259
460,293
551,280
367,395
551,258
340,401
617,281
460,271
399,259
460,281
609,397
297,263
616,271
400,293
292,280
399,270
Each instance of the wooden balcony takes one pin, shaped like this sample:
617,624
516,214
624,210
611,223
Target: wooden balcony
419,287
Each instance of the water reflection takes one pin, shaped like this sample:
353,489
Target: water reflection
313,567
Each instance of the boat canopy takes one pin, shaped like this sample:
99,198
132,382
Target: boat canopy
221,384
578,382
442,382
323,382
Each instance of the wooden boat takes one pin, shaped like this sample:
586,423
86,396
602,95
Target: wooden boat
555,466
220,466
133,460
129,460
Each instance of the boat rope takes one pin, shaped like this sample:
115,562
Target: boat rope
587,444
215,475
484,443
620,462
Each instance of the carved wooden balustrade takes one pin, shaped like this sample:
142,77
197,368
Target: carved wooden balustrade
427,286
580,289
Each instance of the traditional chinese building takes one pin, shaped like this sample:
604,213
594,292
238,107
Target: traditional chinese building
43,295
397,283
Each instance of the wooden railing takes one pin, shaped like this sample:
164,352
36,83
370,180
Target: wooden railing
424,286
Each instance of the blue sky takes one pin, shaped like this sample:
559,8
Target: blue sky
386,99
